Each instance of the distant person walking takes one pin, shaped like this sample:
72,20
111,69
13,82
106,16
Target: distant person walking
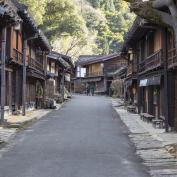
92,89
88,90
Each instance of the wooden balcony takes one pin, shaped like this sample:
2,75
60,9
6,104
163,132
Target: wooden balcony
151,62
35,64
17,56
113,68
172,58
94,74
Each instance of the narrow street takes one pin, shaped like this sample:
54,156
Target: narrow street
85,138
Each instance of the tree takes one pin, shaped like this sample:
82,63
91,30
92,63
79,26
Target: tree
153,10
93,26
62,16
111,32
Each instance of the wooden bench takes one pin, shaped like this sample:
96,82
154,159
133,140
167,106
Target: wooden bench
147,117
159,123
131,109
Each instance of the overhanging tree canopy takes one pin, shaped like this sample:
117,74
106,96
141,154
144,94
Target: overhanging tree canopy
162,12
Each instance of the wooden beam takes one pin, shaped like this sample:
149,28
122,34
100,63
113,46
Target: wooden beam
24,78
10,90
17,90
45,73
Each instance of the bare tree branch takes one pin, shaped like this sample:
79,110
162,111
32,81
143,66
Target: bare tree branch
73,44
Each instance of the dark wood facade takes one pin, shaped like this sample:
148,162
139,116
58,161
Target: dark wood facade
151,74
59,72
26,50
8,51
100,71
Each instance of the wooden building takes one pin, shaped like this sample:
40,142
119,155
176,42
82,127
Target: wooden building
55,67
31,46
151,74
59,73
37,50
98,70
145,74
68,73
10,62
26,50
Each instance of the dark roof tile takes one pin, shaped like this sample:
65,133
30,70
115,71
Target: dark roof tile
89,59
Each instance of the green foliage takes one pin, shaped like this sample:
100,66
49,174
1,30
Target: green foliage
117,88
62,16
118,19
37,8
89,26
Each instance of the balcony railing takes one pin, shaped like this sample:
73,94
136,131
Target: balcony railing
35,64
94,74
17,56
151,62
172,58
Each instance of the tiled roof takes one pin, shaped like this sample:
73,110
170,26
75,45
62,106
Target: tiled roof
85,58
89,59
58,57
138,29
66,58
9,12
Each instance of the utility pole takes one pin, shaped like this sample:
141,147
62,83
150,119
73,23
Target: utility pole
3,74
24,78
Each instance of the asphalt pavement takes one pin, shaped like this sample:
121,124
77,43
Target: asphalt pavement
85,138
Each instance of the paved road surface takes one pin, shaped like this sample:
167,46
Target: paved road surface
83,139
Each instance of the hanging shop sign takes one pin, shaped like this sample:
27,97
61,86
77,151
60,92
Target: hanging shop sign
155,80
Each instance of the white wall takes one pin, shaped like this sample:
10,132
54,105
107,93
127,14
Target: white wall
80,72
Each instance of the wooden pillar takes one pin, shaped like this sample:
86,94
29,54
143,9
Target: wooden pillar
105,85
70,85
10,90
165,59
139,100
16,89
45,74
125,89
24,78
3,74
